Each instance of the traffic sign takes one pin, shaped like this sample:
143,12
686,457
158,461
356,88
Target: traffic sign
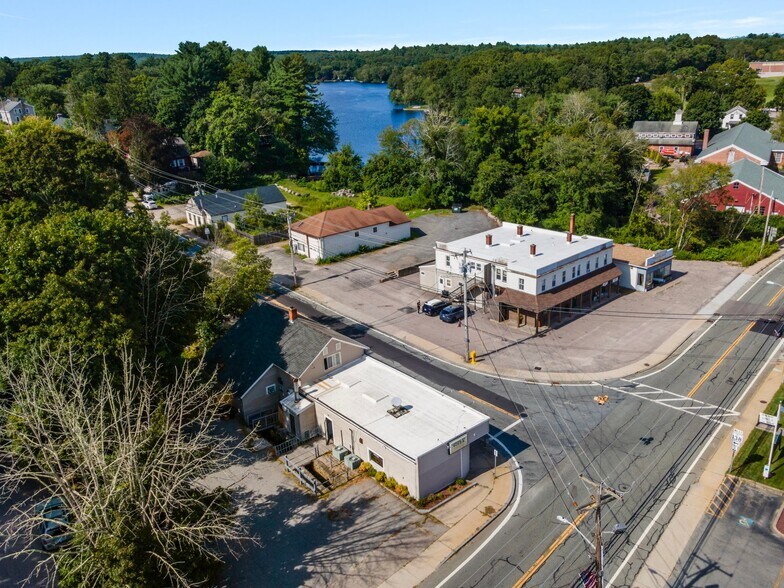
737,439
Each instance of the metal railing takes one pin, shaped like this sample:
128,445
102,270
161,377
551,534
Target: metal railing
302,475
291,444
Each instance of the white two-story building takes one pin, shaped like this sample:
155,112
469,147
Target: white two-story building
532,276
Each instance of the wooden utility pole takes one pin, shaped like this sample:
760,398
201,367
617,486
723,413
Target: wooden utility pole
291,249
605,495
464,270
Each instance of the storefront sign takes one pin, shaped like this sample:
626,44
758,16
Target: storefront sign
458,444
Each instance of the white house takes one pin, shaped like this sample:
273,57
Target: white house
223,206
734,116
641,269
345,230
532,276
288,371
14,111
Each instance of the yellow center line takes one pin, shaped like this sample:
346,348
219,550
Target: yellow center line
550,550
718,361
776,297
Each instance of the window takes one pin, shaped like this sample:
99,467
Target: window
375,229
605,259
588,267
373,457
578,270
337,345
640,279
762,210
500,275
448,283
356,233
563,276
271,389
572,272
332,361
553,283
735,185
225,218
448,261
520,284
596,265
544,285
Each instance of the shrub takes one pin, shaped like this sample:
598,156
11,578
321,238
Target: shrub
460,482
401,490
364,467
391,483
380,477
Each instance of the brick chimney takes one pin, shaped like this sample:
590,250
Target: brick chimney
292,314
519,230
533,249
488,240
569,236
705,139
571,223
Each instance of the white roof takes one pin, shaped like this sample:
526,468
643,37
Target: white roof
510,249
363,390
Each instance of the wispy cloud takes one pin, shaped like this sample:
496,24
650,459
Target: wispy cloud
14,16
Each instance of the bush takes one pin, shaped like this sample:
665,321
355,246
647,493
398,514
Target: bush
364,467
380,477
401,490
391,483
460,482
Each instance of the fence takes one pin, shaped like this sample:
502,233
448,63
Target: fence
290,444
263,238
262,421
302,475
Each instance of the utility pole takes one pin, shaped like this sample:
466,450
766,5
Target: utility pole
291,249
766,470
605,495
464,270
767,216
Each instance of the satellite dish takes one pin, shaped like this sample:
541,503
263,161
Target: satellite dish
396,402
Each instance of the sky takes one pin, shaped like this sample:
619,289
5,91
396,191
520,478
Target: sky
31,29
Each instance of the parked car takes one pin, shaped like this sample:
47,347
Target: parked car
169,186
54,527
434,307
452,313
150,204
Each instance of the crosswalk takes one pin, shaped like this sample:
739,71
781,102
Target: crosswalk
678,402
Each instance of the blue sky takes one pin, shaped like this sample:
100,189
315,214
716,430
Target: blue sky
56,28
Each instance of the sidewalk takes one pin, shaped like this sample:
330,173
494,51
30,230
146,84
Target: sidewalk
465,516
688,516
503,368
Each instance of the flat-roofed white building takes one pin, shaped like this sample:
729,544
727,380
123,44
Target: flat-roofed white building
533,276
410,431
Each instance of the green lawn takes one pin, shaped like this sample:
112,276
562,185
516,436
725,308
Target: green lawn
769,84
753,455
312,201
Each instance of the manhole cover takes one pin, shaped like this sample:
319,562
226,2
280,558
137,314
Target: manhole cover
624,488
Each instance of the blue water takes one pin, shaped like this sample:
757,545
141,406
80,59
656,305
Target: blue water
362,112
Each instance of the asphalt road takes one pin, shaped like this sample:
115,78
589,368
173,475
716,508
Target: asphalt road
646,442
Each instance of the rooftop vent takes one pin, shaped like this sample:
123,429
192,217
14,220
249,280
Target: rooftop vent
519,230
397,410
488,240
533,249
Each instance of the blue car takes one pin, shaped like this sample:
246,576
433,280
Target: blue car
452,313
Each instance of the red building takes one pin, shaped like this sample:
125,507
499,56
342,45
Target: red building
749,180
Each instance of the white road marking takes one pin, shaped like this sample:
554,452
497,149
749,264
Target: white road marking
507,428
688,471
682,353
758,280
509,515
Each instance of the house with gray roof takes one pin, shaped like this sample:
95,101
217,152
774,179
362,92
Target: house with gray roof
670,138
14,111
733,117
270,353
744,141
754,188
222,206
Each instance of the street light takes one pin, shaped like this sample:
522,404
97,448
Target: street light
565,521
770,283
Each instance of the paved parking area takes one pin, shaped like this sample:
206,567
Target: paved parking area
738,547
358,536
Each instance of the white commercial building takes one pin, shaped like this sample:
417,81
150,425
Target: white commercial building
533,276
345,230
404,428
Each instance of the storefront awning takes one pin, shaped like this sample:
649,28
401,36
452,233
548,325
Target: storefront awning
557,296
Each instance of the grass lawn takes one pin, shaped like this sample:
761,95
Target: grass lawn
753,454
769,84
312,201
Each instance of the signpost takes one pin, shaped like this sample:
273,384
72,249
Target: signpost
737,439
495,460
766,469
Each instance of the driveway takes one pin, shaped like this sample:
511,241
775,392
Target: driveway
358,536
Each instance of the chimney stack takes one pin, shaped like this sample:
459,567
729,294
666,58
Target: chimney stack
519,230
678,118
569,236
571,223
292,314
705,139
533,249
488,240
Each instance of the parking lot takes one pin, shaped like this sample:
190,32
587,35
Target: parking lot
358,536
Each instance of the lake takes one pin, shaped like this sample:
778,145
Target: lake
362,112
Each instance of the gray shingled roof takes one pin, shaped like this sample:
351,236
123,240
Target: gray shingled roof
750,173
744,136
264,336
267,194
219,203
9,104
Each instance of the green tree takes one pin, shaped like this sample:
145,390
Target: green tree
234,127
241,280
394,170
759,119
343,170
778,96
64,168
148,143
664,102
48,100
637,99
705,108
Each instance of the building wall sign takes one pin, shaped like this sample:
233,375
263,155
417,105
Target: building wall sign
458,444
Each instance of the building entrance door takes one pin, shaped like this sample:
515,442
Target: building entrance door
328,430
292,424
